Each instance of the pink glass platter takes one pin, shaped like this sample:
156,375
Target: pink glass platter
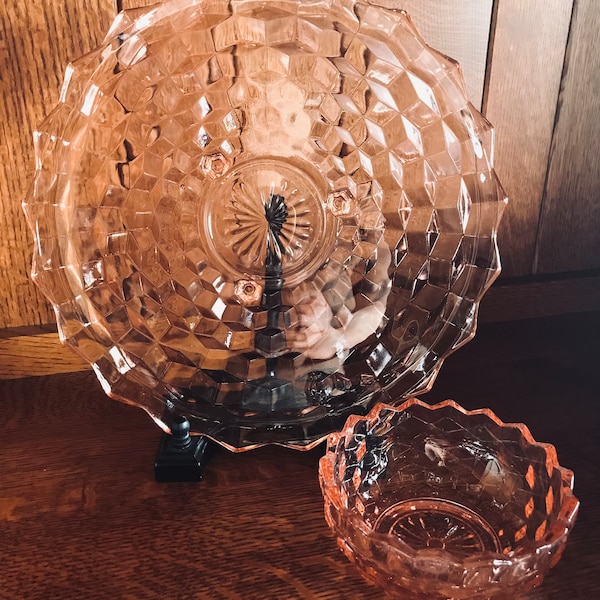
264,216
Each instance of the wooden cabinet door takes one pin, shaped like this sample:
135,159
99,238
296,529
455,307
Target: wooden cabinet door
532,66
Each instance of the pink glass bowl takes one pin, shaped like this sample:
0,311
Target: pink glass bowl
439,502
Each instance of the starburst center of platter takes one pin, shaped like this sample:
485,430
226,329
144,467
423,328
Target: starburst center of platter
264,210
276,213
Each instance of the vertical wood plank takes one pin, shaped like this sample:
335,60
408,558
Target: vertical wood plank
126,4
527,59
37,40
569,234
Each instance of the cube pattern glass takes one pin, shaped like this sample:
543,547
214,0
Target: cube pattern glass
436,502
264,215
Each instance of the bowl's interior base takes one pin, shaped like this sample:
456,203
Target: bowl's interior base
441,524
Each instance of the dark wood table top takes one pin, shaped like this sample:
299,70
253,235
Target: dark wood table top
82,517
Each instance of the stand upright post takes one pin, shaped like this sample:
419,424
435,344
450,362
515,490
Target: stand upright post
180,456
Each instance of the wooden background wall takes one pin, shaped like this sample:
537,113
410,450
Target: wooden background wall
533,66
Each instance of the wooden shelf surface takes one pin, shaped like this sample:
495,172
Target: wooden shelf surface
81,515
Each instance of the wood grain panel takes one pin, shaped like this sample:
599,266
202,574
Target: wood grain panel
569,234
24,356
532,299
524,80
126,4
37,40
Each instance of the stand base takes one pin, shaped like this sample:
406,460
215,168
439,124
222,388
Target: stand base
181,457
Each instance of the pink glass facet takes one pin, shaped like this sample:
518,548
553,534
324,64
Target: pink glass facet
435,502
264,215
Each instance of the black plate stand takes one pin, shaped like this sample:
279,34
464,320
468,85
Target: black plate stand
180,456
